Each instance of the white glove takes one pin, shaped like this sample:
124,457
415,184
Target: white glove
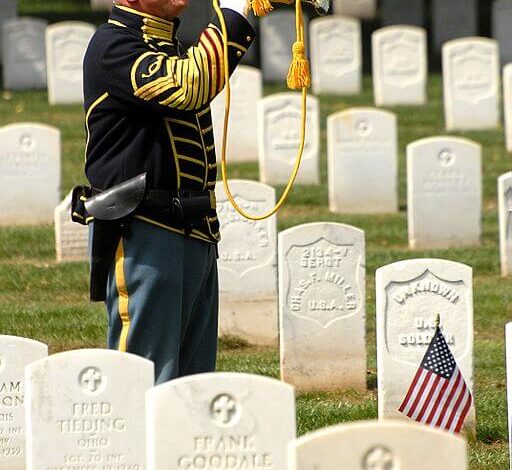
240,6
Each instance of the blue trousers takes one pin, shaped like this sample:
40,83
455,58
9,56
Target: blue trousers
162,301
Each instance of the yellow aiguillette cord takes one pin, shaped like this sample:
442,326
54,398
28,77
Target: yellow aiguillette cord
297,79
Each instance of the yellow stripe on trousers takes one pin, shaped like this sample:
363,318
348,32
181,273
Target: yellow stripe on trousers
123,300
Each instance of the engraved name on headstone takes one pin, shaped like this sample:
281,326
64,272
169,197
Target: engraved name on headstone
248,257
444,192
221,420
71,238
409,295
9,10
277,33
280,120
246,91
85,409
505,222
372,445
400,69
24,54
362,161
365,9
471,82
66,43
322,306
336,55
402,12
29,173
501,19
452,20
15,354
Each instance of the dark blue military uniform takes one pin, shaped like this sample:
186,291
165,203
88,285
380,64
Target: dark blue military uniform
147,110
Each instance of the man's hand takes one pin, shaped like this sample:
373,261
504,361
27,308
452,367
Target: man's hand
240,6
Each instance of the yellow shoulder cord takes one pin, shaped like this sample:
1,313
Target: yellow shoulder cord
298,79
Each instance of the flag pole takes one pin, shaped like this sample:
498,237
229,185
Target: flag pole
438,320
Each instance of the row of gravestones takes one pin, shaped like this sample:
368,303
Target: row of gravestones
443,173
98,410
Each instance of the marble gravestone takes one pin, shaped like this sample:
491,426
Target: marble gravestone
362,161
85,409
507,103
501,19
402,12
9,10
277,35
279,127
505,222
322,307
71,238
409,295
220,420
336,55
471,81
29,173
365,9
24,54
452,20
373,445
15,354
508,347
444,193
100,5
400,69
246,91
248,257
66,44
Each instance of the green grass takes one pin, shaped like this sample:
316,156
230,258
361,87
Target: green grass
47,301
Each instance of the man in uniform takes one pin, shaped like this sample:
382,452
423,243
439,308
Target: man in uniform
151,162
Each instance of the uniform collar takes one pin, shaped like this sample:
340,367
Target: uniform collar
151,27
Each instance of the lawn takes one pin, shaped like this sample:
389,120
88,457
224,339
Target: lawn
46,301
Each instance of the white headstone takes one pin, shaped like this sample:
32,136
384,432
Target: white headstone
9,11
508,345
322,306
280,121
507,103
505,222
100,5
444,192
277,35
336,55
471,82
248,257
373,445
66,44
71,238
15,354
366,9
400,69
24,54
85,409
409,294
362,161
29,173
246,91
221,420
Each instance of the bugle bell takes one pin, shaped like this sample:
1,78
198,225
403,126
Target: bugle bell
321,6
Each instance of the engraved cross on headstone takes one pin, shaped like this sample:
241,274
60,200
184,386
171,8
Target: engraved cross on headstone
224,408
379,458
91,379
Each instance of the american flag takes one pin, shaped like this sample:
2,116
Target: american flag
438,395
